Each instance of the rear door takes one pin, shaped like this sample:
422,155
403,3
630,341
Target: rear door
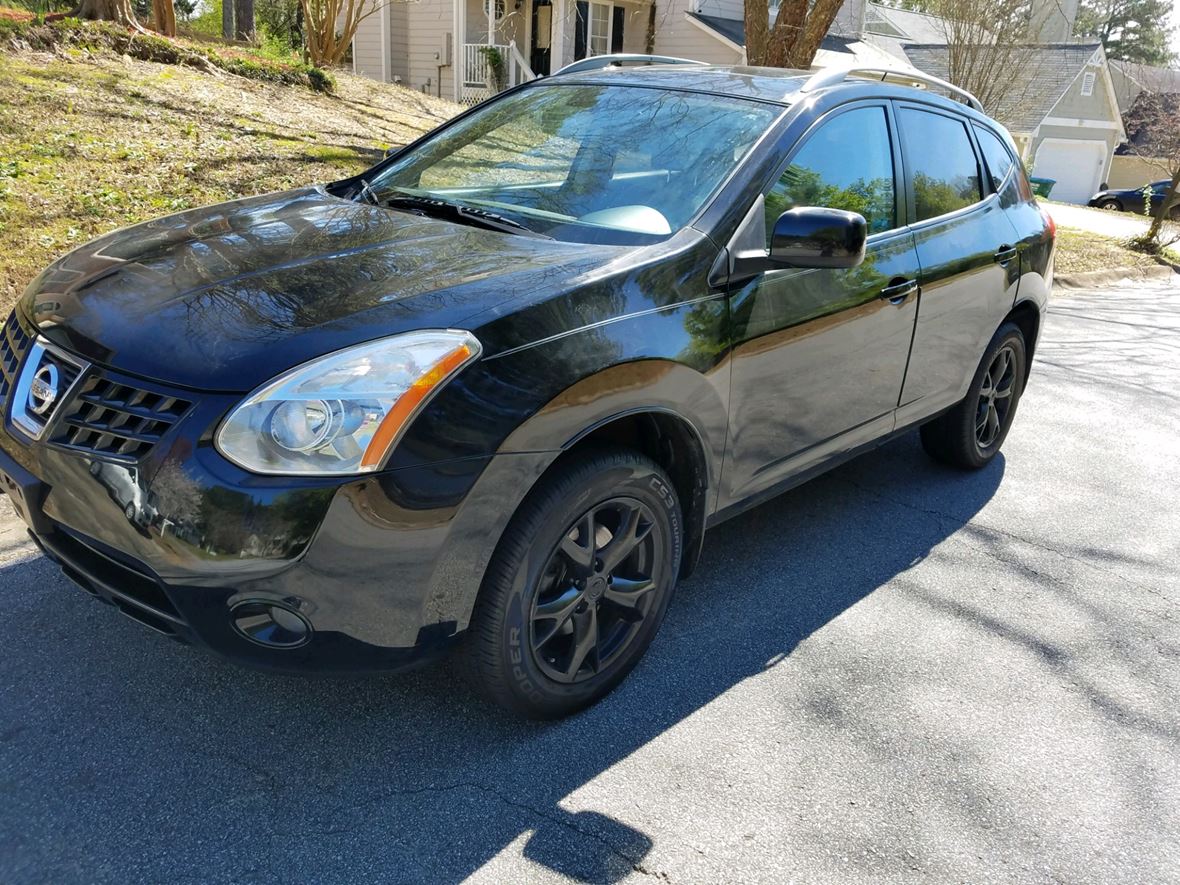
820,355
966,248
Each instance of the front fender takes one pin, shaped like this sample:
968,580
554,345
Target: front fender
650,385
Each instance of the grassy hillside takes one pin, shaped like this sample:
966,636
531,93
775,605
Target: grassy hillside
93,141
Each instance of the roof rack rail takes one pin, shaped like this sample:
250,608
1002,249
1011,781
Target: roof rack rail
832,76
598,62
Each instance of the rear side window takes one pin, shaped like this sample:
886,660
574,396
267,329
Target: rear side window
941,161
846,164
995,153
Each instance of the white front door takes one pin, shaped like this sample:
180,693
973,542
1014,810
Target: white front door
1076,165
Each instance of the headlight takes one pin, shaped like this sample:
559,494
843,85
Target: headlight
342,413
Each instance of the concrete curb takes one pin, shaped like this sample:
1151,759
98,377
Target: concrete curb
1098,278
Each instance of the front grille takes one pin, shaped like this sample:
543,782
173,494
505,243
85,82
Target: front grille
13,345
117,419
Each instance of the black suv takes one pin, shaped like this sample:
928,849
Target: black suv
492,392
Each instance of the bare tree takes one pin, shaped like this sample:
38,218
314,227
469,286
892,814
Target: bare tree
989,45
330,26
1153,132
794,38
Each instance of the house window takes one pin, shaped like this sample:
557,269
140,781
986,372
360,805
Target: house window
600,29
1088,83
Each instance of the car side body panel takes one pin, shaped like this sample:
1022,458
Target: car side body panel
765,391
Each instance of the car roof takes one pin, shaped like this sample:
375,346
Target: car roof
780,85
764,84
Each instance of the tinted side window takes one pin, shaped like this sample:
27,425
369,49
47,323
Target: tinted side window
846,164
941,161
995,152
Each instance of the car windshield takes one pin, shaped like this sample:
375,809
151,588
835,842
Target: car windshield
583,162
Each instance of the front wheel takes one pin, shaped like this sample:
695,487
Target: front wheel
1111,205
971,433
578,585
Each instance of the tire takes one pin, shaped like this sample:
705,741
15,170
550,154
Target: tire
547,588
970,434
1112,205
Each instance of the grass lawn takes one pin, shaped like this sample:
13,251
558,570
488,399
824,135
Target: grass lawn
91,142
1081,251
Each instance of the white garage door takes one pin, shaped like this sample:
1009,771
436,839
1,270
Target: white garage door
1077,166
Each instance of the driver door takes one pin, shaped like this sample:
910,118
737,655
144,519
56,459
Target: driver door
820,355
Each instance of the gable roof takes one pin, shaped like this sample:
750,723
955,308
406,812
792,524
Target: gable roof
1131,79
1043,78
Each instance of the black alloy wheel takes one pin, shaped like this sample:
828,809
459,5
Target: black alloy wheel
595,591
970,434
578,585
995,397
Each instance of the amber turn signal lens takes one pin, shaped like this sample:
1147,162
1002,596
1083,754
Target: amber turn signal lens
409,402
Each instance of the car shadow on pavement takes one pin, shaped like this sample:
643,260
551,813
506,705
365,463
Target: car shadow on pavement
127,757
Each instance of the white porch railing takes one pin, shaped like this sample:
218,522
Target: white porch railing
476,83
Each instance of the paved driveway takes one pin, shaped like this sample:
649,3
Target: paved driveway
1121,225
897,672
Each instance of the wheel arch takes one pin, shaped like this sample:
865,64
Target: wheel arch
669,411
674,443
1026,315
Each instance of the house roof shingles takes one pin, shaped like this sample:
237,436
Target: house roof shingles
1041,81
734,30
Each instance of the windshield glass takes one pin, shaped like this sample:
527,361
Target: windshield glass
586,163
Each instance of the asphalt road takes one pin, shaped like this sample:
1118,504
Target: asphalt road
896,672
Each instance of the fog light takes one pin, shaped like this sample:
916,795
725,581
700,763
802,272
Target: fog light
271,625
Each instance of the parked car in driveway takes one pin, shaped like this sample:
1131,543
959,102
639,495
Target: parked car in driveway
490,394
1136,199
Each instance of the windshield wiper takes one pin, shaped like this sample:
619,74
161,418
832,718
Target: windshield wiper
438,208
366,192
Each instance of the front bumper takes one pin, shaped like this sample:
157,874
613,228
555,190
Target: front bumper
384,569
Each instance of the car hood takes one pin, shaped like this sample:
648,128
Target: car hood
225,298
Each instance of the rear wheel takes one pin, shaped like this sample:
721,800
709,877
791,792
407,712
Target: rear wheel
578,585
971,433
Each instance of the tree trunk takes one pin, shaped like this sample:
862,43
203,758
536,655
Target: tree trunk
757,22
1157,221
164,17
243,19
819,20
227,19
118,11
794,38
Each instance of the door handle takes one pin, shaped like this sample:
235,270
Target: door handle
1005,254
898,291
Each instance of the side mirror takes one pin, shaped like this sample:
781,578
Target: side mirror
810,236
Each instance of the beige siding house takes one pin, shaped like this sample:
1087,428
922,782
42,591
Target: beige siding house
442,46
